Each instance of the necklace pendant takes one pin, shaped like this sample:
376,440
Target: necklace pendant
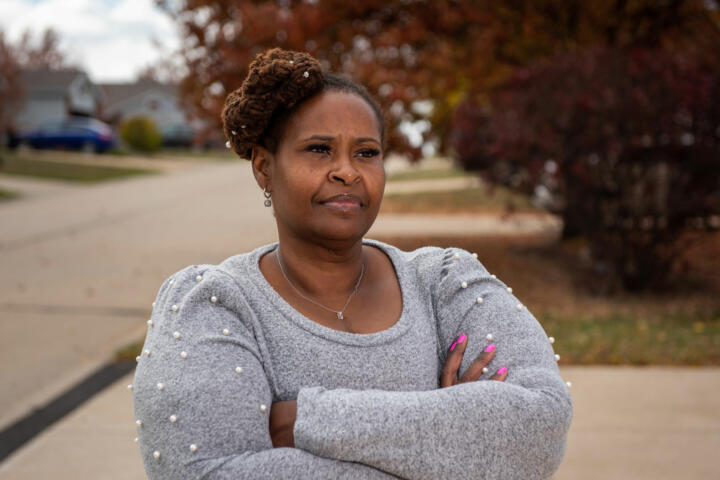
339,315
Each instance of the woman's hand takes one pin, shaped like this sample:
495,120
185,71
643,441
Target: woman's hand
449,375
282,423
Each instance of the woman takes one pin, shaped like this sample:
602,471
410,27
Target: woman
327,355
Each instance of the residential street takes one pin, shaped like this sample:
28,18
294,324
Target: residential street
82,264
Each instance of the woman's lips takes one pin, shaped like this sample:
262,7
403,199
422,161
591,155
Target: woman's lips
343,202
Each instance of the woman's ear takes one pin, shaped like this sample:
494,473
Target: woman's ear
262,166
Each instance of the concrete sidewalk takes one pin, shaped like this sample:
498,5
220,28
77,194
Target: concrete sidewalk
630,423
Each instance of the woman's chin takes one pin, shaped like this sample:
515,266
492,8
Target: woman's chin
345,230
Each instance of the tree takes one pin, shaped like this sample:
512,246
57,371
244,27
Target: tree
11,92
403,51
26,55
44,54
625,144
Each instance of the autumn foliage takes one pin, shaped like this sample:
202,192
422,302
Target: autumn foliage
604,110
624,144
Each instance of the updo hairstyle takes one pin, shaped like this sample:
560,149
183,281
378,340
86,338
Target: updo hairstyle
278,81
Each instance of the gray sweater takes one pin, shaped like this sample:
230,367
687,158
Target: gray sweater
222,346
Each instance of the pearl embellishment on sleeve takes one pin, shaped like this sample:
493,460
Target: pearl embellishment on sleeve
156,454
479,300
463,284
198,278
238,370
183,354
176,335
263,408
226,332
193,448
160,386
213,299
172,418
489,337
551,339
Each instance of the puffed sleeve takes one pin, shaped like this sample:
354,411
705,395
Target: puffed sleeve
478,430
201,396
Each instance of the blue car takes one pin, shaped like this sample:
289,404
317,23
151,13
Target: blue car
75,133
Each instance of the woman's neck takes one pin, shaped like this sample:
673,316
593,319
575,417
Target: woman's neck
322,271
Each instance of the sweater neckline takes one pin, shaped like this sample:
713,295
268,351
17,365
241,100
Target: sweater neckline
311,326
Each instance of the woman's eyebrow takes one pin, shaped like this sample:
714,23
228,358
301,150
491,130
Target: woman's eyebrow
328,138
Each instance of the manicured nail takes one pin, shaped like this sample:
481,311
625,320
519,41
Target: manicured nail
502,370
459,340
490,347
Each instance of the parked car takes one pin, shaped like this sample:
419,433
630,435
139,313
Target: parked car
74,133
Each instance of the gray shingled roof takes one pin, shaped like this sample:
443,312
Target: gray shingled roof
118,92
48,79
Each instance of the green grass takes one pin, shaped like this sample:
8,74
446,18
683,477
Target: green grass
7,195
679,339
468,200
209,155
26,166
427,174
128,352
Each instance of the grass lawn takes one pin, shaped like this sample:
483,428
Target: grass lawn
469,200
427,174
6,195
210,155
26,165
681,327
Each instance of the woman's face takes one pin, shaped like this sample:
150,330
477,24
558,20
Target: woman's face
327,176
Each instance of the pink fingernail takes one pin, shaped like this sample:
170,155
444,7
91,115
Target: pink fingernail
459,340
490,347
502,370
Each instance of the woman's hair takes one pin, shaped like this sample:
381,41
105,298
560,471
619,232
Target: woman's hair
277,83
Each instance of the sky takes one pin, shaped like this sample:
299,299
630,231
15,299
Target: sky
110,39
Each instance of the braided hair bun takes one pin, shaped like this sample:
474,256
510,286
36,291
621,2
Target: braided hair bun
277,80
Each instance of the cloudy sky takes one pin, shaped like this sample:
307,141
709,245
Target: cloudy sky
110,39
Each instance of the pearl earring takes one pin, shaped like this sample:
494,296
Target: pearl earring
267,194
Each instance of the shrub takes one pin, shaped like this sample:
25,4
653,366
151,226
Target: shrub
141,134
624,144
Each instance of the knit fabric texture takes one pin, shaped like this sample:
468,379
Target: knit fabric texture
223,345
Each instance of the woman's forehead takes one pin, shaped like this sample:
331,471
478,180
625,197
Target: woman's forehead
334,113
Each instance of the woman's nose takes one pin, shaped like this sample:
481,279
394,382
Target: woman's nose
344,170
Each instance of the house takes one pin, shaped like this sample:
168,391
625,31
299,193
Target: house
55,95
148,98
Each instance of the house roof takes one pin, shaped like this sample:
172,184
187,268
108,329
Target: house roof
116,93
49,79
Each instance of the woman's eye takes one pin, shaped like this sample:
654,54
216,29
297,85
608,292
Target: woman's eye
319,148
369,153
